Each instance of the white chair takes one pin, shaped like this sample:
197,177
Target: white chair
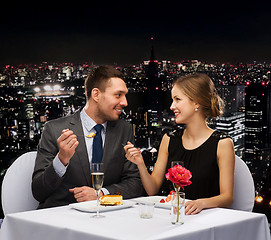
244,190
16,187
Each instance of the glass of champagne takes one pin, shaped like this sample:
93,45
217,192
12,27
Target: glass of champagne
97,174
173,163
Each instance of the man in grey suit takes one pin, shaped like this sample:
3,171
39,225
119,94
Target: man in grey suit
62,173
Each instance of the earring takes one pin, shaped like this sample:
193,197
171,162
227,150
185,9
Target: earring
196,109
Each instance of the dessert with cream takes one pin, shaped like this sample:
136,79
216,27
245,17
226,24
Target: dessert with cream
111,200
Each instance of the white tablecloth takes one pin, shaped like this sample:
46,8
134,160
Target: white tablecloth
69,224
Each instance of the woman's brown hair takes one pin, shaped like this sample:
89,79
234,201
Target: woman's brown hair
201,89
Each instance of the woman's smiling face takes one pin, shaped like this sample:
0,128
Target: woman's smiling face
182,106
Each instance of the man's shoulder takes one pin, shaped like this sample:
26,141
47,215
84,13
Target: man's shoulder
120,123
124,122
64,119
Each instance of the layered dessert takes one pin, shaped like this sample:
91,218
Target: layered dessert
111,200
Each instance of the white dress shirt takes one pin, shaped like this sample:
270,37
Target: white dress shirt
88,127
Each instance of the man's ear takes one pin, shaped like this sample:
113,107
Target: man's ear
95,93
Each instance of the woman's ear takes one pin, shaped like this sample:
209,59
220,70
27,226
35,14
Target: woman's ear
196,105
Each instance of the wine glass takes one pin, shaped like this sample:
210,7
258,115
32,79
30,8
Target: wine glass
173,163
97,174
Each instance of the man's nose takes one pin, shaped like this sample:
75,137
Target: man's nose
124,101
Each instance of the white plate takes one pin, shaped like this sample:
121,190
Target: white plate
153,199
91,206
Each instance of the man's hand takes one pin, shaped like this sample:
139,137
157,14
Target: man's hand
82,194
67,143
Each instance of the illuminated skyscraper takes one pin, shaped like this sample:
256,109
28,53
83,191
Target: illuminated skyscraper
153,84
257,123
233,120
233,124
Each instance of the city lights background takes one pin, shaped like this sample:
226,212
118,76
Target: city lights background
46,52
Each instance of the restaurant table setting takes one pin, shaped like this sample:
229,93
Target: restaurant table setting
129,221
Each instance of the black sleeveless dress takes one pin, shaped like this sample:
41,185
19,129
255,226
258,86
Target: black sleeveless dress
201,162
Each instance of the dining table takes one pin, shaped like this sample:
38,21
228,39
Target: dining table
71,222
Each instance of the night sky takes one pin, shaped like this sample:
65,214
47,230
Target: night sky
120,31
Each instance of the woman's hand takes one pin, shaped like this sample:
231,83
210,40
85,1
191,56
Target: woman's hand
194,207
133,154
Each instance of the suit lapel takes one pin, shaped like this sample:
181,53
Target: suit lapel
108,146
81,150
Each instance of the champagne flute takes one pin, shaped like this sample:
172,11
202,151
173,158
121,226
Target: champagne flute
97,174
173,163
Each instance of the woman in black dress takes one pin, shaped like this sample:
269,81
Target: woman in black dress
208,154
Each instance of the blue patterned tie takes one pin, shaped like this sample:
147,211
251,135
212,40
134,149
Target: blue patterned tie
97,147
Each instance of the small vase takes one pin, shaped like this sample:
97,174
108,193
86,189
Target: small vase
177,206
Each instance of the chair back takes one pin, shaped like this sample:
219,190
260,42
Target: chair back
16,187
244,190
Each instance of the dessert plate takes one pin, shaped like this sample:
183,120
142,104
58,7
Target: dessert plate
91,206
153,199
156,200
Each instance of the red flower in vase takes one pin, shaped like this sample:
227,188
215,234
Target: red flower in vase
179,176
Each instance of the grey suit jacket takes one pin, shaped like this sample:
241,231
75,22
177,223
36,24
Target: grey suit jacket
120,174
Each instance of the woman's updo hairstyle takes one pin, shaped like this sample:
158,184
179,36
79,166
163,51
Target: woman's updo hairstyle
201,89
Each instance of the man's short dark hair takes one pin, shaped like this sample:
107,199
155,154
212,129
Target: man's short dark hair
99,77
